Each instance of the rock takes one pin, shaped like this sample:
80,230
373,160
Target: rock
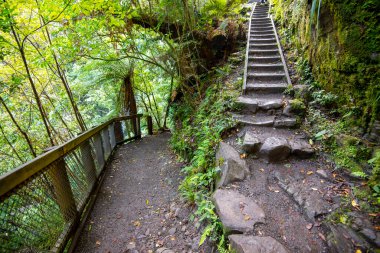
301,91
311,201
177,211
131,245
183,229
195,244
251,143
301,148
164,250
172,231
285,122
344,239
238,213
322,173
368,233
275,149
233,168
248,103
147,232
271,104
255,244
287,111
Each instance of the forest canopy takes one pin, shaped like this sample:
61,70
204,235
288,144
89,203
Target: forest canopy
67,66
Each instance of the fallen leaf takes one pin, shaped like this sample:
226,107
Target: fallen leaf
147,201
358,251
354,203
309,226
137,223
262,170
311,142
310,172
97,243
322,236
242,156
247,217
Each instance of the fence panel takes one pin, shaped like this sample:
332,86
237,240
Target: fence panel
42,201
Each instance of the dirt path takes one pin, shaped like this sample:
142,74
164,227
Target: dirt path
138,208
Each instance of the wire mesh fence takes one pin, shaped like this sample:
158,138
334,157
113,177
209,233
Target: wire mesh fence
40,211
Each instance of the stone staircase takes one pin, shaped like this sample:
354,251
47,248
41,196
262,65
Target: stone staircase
273,194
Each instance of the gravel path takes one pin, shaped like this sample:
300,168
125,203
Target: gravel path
138,208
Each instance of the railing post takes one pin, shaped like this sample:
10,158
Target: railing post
119,136
111,132
106,143
134,120
138,127
99,150
150,124
63,193
88,163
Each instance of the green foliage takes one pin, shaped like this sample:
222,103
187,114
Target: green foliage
196,136
342,54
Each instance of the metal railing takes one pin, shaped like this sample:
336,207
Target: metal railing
247,50
44,203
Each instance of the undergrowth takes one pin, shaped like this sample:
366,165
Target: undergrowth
199,126
332,126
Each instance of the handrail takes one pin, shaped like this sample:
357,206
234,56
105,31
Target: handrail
16,176
281,53
45,202
247,51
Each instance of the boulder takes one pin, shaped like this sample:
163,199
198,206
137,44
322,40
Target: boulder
251,143
275,149
238,213
255,244
301,148
233,168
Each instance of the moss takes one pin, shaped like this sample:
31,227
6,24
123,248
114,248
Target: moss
343,53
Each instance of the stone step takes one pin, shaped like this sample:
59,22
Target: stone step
258,41
260,20
265,59
261,25
257,21
265,67
266,120
269,35
276,147
259,15
266,87
271,77
255,120
255,104
237,213
263,46
262,30
255,244
264,52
